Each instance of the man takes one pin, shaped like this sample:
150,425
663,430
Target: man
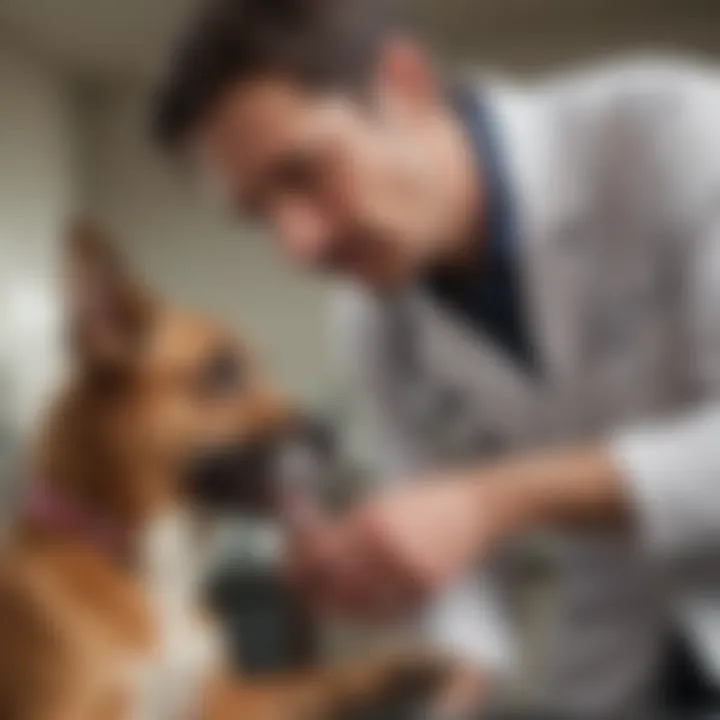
525,269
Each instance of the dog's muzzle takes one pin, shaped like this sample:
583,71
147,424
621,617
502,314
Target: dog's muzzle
252,478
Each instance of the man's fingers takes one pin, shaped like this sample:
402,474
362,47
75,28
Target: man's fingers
396,584
330,569
353,568
366,583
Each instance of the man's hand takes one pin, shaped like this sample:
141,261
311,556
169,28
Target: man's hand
397,550
394,551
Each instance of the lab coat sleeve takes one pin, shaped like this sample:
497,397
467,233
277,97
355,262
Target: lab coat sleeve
672,469
466,621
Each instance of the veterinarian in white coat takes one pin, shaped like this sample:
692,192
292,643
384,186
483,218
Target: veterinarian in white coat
536,267
614,181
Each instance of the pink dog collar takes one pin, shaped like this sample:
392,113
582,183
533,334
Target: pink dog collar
51,509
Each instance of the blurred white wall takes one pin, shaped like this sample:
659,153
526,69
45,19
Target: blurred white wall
36,193
190,250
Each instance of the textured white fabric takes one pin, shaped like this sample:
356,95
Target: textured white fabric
616,178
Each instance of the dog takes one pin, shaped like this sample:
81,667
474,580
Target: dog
166,420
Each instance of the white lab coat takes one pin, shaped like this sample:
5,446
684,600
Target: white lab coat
616,177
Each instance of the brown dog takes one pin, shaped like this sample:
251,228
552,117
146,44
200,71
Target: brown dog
165,419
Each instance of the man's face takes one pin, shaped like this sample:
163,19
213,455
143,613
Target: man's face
345,187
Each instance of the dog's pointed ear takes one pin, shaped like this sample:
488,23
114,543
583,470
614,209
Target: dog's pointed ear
108,310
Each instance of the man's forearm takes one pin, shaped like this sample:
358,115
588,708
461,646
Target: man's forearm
562,487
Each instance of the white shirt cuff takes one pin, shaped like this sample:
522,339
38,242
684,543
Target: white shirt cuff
672,475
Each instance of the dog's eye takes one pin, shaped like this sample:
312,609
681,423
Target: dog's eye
223,374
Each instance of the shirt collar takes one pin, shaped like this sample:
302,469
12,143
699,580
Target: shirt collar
495,227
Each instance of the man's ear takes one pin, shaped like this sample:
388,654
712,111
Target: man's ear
108,311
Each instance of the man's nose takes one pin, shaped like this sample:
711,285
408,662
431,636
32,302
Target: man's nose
305,234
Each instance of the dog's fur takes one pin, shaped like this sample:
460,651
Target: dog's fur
88,633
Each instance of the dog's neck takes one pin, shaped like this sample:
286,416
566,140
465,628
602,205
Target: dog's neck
77,461
49,510
79,496
166,555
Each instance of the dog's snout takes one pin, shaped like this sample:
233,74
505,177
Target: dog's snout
251,476
232,478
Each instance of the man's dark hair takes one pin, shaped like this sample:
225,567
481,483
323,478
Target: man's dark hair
322,44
